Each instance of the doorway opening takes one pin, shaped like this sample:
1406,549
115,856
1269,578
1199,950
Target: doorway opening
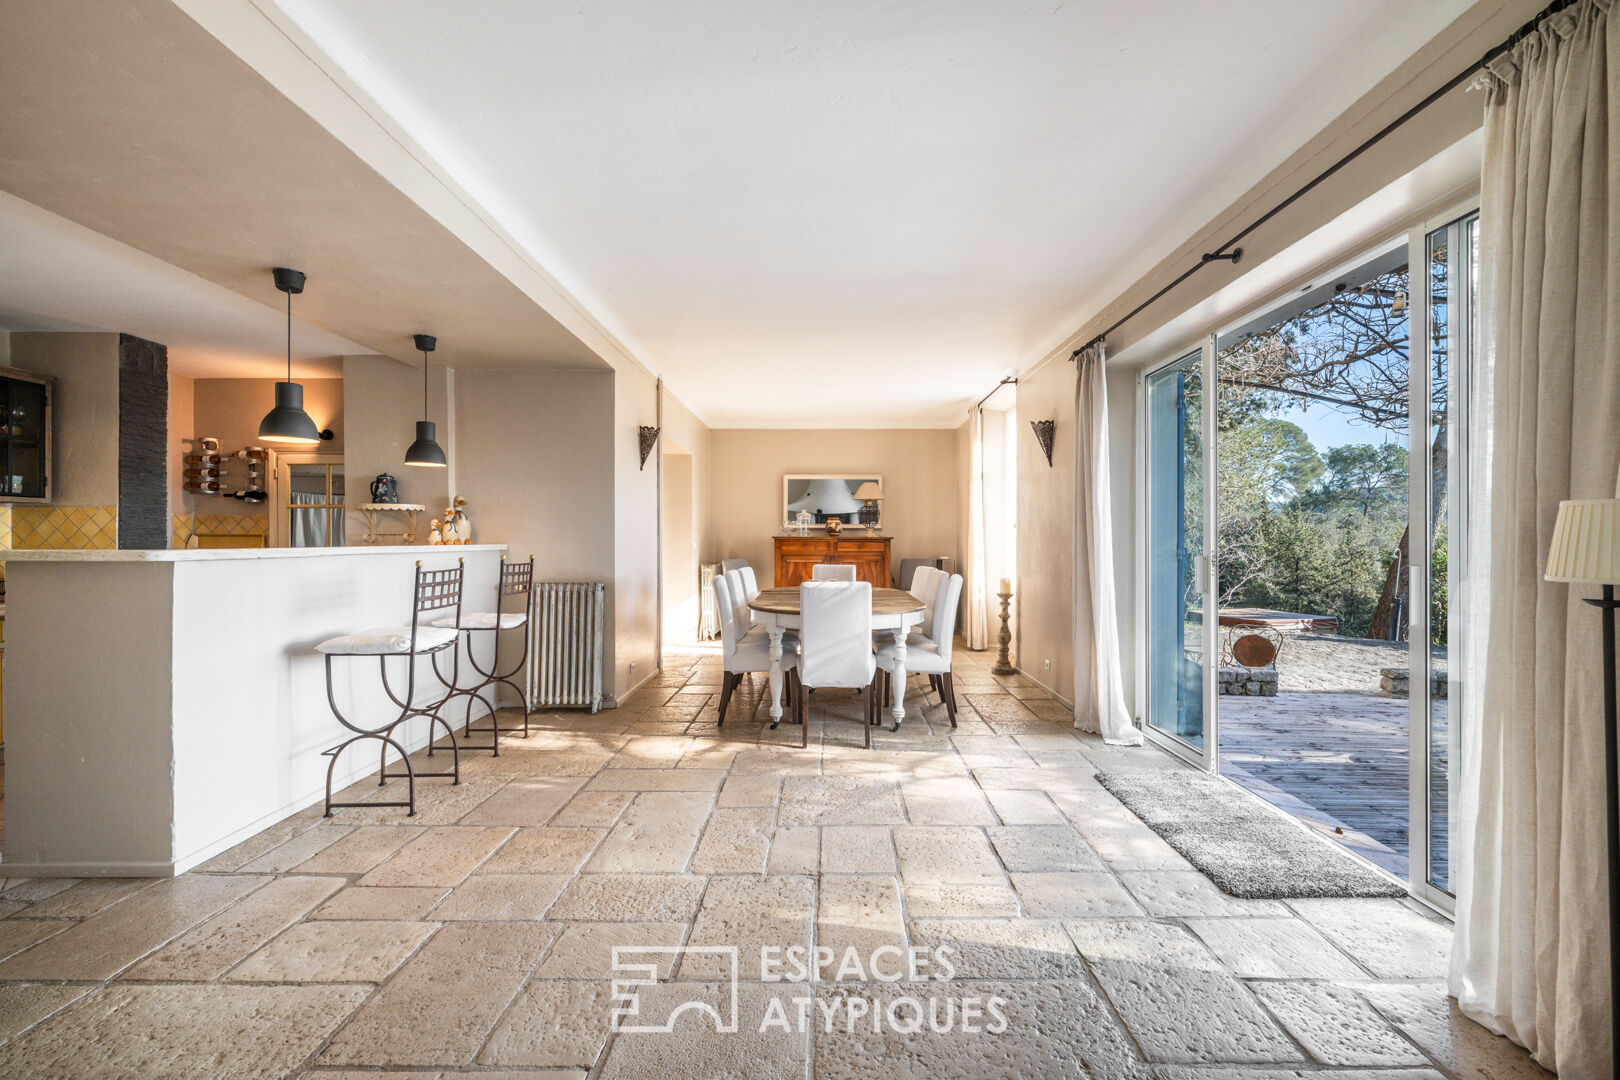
682,610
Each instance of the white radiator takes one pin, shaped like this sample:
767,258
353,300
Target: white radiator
709,623
565,644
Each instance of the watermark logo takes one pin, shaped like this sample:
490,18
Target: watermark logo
847,999
629,976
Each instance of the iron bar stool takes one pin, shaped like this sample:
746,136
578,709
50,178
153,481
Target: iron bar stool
435,590
517,579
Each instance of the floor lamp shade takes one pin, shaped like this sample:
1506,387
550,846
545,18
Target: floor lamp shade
1586,542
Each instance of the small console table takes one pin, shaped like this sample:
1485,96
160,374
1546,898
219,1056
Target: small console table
405,534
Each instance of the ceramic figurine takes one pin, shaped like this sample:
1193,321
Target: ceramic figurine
434,536
457,525
834,526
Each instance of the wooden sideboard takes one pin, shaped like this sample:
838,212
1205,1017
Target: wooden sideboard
797,557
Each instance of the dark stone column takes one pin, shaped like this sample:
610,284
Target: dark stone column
143,443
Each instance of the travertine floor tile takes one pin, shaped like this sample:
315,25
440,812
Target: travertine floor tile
274,836
1001,948
1174,997
84,898
553,1024
1187,892
532,800
334,951
658,780
105,944
1427,1015
183,1032
794,850
1335,1026
857,916
361,849
1042,848
443,855
750,790
548,850
749,913
18,934
946,855
1273,949
501,897
960,901
656,835
630,898
22,1005
585,950
1387,937
839,800
1082,895
736,841
1016,806
694,1051
1045,1029
405,903
593,809
441,1006
1115,833
857,849
301,848
211,949
946,801
651,752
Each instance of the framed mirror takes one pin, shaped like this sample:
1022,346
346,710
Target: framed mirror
845,497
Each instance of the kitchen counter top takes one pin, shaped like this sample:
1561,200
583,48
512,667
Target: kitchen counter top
242,554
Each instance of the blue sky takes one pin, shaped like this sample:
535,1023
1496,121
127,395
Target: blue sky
1328,426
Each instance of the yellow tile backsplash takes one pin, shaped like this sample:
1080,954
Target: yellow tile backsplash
64,528
245,525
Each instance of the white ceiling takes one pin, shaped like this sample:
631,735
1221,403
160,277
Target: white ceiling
853,212
56,275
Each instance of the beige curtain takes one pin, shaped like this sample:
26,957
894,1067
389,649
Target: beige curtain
1099,683
975,589
1530,958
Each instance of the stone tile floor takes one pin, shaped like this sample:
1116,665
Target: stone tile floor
475,938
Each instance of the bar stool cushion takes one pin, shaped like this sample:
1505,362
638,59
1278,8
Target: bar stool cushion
387,641
484,620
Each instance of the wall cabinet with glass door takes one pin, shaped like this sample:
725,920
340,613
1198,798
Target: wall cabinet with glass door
25,437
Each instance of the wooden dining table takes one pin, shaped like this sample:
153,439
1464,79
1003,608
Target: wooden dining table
893,610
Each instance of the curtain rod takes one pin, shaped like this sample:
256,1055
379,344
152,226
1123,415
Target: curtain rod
1222,254
1004,382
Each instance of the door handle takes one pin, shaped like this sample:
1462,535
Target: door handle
1200,575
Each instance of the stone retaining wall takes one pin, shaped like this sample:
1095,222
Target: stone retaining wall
1247,682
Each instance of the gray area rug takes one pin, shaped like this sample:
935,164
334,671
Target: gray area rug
1246,848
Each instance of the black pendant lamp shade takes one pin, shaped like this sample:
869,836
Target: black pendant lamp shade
426,451
288,422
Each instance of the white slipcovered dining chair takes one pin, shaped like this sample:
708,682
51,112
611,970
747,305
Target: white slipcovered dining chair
727,565
930,654
744,651
835,644
925,585
832,572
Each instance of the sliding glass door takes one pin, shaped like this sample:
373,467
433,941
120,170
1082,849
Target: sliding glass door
1176,674
1445,309
1301,515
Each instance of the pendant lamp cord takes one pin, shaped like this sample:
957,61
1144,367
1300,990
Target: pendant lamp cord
289,336
424,384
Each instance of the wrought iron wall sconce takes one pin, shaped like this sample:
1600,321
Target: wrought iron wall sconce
649,436
1044,431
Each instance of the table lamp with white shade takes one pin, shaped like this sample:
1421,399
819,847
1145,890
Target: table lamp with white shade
869,495
1586,551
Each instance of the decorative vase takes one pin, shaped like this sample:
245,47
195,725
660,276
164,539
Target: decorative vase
834,526
385,489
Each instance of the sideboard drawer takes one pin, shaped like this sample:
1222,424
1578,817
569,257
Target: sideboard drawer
804,547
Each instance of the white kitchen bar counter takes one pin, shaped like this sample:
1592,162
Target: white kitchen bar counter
162,706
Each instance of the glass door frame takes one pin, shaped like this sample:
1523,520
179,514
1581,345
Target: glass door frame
1415,240
1459,328
1206,756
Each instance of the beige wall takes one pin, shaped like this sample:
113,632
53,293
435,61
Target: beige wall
1046,531
382,400
634,594
85,407
920,482
231,410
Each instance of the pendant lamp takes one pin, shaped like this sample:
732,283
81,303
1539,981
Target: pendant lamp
288,422
426,451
